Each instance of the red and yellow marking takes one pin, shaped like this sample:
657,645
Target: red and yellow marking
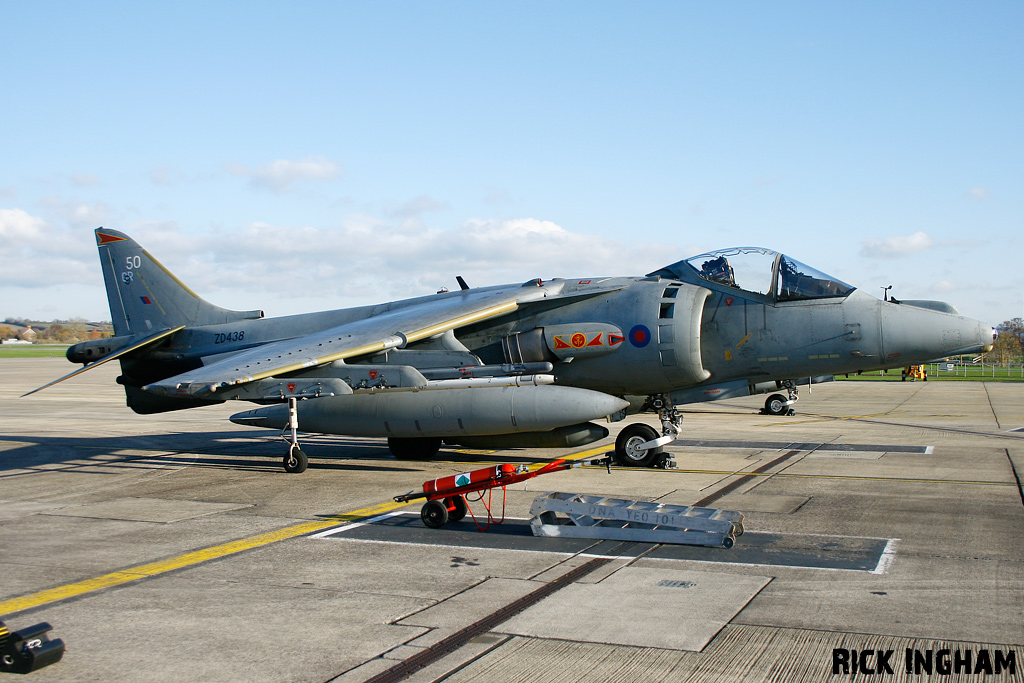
103,238
578,340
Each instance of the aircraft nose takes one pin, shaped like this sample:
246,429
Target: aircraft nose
912,335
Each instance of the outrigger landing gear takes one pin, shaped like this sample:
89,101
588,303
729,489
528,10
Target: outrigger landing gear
638,445
296,461
776,404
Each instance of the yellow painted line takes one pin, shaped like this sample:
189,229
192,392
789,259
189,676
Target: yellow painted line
143,571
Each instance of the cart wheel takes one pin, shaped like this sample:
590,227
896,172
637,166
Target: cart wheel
457,509
434,514
728,542
296,461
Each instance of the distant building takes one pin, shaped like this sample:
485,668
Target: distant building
28,335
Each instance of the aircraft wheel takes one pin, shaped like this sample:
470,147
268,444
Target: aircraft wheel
776,405
458,508
415,448
434,514
627,451
728,542
296,461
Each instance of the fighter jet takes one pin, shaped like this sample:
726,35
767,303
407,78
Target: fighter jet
521,365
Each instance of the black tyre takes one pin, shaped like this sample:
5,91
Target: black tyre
415,448
434,514
457,508
776,405
728,542
296,461
627,451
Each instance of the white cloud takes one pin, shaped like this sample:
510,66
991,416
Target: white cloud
896,246
40,254
165,175
979,193
85,180
418,205
278,176
364,259
369,259
497,196
18,227
75,213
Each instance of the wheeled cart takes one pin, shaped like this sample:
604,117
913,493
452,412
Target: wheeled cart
575,515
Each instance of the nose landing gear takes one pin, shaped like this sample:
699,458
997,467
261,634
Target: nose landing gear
296,461
638,445
777,404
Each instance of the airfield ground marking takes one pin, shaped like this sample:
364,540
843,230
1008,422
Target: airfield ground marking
143,571
136,573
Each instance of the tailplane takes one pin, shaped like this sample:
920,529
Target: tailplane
145,297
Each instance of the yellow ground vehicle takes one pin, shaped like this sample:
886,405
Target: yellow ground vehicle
914,372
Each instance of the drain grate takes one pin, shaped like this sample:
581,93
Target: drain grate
669,583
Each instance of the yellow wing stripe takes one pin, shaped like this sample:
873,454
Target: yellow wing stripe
376,347
467,319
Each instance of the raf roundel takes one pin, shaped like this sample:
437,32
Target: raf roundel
640,336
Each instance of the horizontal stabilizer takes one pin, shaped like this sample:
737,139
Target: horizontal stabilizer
145,341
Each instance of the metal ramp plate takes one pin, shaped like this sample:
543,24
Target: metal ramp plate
575,515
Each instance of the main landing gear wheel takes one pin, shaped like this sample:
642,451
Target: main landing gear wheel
415,448
627,451
776,405
296,461
434,514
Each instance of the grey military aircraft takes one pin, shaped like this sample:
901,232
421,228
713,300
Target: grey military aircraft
522,365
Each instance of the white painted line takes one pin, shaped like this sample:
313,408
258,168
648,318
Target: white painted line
347,527
886,560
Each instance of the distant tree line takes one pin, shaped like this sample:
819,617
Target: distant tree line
57,332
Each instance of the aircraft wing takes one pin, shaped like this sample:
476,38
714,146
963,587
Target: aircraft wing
392,329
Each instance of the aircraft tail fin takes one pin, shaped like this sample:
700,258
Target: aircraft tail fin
145,297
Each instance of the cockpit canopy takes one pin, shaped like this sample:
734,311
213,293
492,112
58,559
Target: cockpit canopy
760,271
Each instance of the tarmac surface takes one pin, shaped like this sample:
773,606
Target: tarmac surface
173,547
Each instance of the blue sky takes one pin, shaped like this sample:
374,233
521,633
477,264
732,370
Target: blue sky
303,156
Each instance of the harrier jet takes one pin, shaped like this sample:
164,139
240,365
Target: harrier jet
521,365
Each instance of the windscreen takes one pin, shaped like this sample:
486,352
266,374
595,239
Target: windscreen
748,268
753,269
798,281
